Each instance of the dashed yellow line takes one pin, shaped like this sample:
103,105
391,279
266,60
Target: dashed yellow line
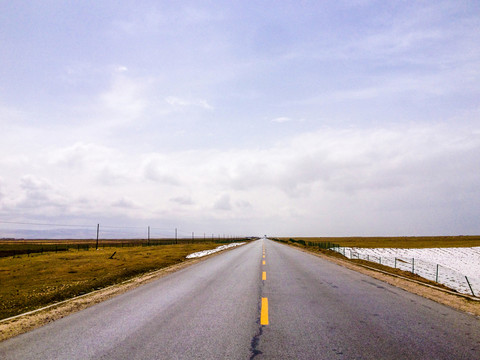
264,312
264,309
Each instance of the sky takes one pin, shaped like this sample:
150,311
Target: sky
286,118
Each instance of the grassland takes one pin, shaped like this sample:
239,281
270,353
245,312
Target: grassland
21,247
32,281
408,242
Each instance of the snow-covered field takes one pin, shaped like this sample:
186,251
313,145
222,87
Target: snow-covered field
448,266
208,252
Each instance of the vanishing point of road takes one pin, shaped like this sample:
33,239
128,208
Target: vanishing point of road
263,300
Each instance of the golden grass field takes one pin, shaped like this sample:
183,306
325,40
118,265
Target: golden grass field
406,242
30,282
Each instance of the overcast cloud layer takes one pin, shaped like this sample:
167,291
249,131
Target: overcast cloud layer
279,118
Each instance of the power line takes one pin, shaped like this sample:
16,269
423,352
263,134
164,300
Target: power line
44,224
70,225
103,228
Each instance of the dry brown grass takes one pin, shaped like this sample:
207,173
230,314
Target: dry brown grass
30,282
405,242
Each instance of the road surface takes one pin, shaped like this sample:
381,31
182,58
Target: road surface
264,300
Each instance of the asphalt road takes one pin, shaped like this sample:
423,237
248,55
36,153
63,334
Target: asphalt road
241,305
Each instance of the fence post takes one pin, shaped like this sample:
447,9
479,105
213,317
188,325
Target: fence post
436,275
395,263
98,228
470,286
413,265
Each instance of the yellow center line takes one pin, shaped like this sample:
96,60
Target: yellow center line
264,275
263,262
264,312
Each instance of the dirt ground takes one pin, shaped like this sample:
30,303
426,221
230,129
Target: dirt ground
25,323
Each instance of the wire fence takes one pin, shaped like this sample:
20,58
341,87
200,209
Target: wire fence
427,269
28,238
318,244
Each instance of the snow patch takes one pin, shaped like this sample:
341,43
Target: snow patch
208,252
448,266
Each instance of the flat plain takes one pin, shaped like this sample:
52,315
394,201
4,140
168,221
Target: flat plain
402,242
30,281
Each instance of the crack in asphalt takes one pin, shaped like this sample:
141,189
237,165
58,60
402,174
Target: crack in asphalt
256,338
254,343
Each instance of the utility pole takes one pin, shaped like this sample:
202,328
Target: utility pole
148,241
175,235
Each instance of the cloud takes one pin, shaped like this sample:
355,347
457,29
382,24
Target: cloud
32,183
337,180
125,203
112,174
182,200
243,204
159,169
285,119
223,203
102,164
179,103
81,154
126,100
121,68
38,196
10,115
2,194
281,119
